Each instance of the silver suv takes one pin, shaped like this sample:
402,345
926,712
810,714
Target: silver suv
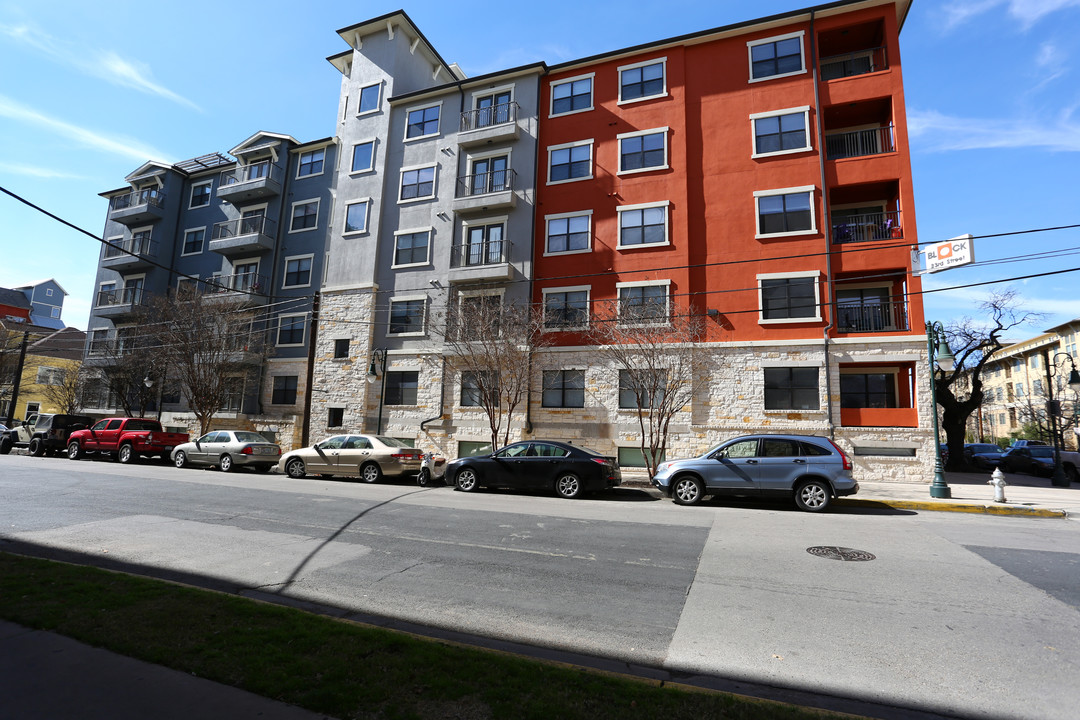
812,470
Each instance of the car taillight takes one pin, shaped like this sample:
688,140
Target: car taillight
843,455
405,456
248,450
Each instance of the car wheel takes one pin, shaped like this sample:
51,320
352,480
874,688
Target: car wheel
568,485
74,451
6,444
295,468
423,478
126,454
687,490
467,480
813,496
370,472
37,447
180,460
225,463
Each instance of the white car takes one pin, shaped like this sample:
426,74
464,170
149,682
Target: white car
369,457
228,450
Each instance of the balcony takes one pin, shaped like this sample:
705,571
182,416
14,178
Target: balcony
136,208
855,63
250,182
497,123
134,253
246,286
486,191
879,417
866,227
479,262
870,315
120,303
860,143
243,236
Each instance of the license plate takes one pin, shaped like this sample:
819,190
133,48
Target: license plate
265,451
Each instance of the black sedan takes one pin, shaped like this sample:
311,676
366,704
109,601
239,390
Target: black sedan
1034,459
982,456
568,470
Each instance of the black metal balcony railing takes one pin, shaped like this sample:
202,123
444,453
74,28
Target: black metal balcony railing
486,182
249,173
489,252
248,282
137,245
859,62
858,143
259,225
883,225
866,317
147,196
124,296
488,116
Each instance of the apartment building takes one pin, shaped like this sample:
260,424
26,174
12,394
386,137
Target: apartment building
755,175
248,227
1016,388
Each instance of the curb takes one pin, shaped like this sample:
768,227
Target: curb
954,507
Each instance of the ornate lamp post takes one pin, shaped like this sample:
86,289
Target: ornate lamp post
940,357
1053,409
376,370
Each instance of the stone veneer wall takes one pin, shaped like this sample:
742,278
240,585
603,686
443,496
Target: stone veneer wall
341,382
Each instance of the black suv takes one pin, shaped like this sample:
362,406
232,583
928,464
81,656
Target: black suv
48,434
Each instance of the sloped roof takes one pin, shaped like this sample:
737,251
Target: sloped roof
14,298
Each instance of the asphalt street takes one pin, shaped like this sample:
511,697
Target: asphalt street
963,615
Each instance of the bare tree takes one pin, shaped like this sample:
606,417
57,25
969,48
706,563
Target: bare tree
212,343
491,345
65,392
657,358
1032,413
959,392
126,366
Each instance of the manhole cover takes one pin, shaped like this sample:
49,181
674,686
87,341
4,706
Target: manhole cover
839,553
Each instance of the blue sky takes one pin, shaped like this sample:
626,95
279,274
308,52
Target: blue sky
86,96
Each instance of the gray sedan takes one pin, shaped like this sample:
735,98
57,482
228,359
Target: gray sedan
228,449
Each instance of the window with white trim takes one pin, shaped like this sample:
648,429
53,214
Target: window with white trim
407,316
193,241
411,247
643,151
311,163
297,271
570,162
789,211
200,194
644,303
291,329
642,81
569,232
305,216
645,224
781,131
566,308
356,215
422,122
363,157
776,57
369,98
417,184
572,95
789,297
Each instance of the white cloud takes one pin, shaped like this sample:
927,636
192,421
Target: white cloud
38,172
137,76
115,145
1027,12
932,131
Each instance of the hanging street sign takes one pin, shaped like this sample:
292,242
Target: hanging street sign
952,253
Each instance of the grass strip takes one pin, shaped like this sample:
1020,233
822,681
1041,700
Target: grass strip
330,666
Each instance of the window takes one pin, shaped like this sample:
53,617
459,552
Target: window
566,308
200,195
407,316
776,57
570,162
356,217
401,387
417,183
54,312
50,375
99,342
789,296
867,390
643,303
785,212
643,225
193,241
484,245
479,316
422,122
564,388
411,248
572,95
643,151
641,388
291,330
363,156
642,81
341,348
335,417
493,108
48,292
298,271
569,232
785,131
369,99
234,395
284,390
305,216
311,163
472,389
791,388
489,175
1019,390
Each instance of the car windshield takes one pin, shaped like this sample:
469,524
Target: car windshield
249,437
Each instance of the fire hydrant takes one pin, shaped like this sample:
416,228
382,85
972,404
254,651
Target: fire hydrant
997,479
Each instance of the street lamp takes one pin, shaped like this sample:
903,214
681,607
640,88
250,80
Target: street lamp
1053,409
939,357
377,369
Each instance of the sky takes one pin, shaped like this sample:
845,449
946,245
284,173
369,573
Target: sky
992,89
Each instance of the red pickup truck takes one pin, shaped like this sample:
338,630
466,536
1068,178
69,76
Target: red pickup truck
128,438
